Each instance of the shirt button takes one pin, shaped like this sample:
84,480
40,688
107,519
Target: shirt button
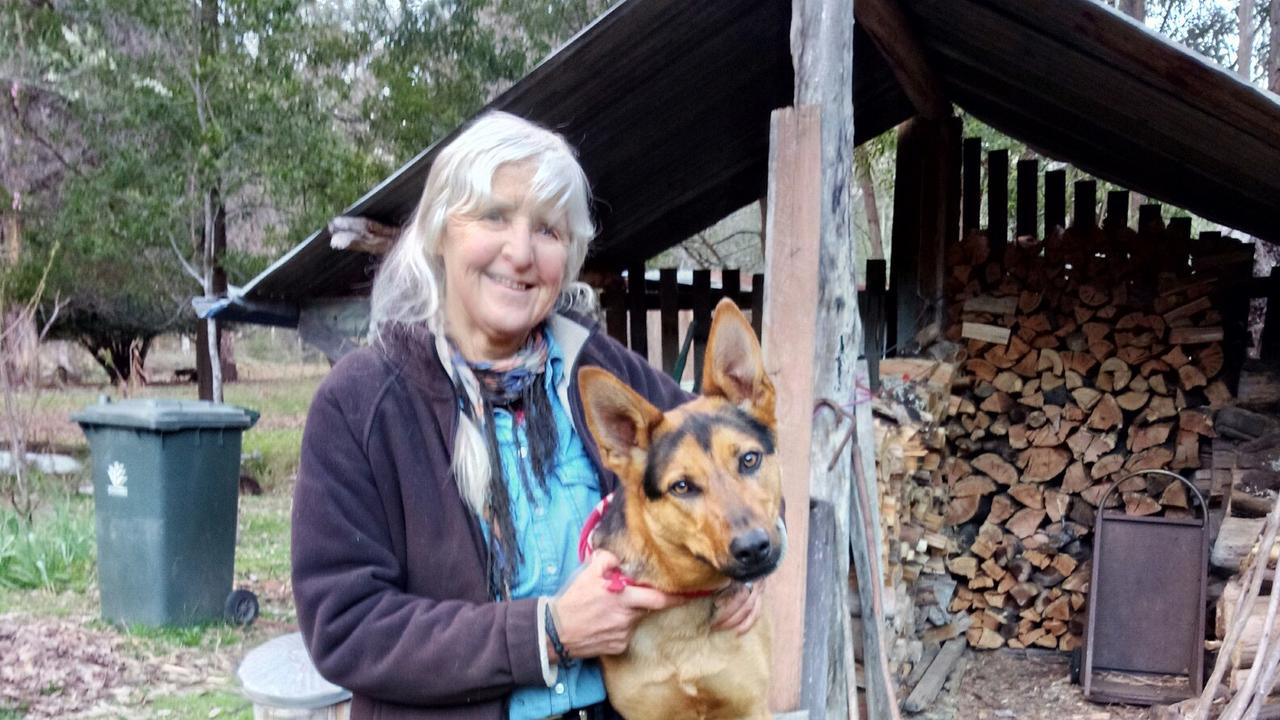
539,511
559,688
524,452
551,568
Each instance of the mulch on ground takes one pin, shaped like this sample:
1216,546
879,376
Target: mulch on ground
1019,685
67,668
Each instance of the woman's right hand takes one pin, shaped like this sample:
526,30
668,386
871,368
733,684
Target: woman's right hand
591,620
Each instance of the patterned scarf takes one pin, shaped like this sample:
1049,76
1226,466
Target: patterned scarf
516,385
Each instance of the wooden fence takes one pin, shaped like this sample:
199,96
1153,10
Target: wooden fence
652,312
679,304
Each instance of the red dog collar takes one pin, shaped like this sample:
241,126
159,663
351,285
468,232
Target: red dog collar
618,580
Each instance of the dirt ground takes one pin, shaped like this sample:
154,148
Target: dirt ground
1019,685
73,667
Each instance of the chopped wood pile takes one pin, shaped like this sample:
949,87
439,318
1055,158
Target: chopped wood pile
911,449
1248,639
1084,364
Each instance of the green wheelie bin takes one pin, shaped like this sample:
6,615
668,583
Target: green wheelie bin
165,485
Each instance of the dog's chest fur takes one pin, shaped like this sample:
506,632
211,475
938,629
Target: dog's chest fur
678,667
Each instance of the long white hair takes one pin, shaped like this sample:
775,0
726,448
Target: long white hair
409,287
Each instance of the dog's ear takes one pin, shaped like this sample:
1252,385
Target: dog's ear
620,420
734,367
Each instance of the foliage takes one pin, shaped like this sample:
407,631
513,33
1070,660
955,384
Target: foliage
157,122
55,554
443,60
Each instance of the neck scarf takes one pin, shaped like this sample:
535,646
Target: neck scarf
516,385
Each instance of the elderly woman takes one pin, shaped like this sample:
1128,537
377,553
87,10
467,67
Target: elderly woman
446,470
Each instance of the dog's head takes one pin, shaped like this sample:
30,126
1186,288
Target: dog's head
701,483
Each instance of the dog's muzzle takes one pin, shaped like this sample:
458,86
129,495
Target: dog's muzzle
755,554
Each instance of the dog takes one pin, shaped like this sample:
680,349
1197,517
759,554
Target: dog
698,507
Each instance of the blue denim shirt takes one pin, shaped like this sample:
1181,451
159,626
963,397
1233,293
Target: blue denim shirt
547,527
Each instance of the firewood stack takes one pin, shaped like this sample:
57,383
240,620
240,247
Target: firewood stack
910,411
1084,364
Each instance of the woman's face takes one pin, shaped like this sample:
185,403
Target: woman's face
504,265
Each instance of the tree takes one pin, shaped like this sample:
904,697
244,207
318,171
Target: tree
180,127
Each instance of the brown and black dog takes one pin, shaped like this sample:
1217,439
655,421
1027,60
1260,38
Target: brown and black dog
698,507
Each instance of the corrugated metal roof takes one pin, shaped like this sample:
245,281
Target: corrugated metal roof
668,103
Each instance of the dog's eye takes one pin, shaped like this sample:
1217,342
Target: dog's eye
683,487
749,461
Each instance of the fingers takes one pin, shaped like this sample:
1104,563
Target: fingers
739,610
756,605
649,598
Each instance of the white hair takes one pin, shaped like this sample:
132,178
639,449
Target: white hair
409,287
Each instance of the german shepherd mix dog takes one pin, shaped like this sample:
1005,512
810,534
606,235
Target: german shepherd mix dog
699,506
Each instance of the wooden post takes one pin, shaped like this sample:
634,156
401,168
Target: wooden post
1055,200
1028,199
701,322
669,305
926,212
1270,345
615,307
730,284
795,175
1117,209
1179,234
874,319
757,303
638,309
899,325
1085,215
998,200
972,185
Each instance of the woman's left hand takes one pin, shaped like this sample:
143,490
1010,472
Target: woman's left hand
738,607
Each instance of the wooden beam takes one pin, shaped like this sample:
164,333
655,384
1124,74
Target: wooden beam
669,300
794,226
1055,200
637,310
972,185
1028,215
889,28
998,200
822,55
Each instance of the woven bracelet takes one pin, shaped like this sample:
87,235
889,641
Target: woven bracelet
554,636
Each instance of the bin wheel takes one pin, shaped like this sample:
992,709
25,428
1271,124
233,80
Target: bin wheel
1077,659
241,608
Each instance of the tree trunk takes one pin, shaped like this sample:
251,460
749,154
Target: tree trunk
867,185
209,370
1244,52
1273,57
1136,9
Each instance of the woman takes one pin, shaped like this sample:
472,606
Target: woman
446,470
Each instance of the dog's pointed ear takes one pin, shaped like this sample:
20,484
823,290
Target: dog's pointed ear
734,366
619,419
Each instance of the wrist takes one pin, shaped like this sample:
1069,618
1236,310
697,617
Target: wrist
561,654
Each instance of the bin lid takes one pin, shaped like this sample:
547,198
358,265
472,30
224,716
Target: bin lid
279,674
162,414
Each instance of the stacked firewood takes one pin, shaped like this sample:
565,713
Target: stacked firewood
910,410
1248,642
1084,366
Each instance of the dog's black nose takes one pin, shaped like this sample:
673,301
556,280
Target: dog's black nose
751,547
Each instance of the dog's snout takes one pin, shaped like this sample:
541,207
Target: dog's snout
751,547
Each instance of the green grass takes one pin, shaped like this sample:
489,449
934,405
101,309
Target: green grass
53,553
209,636
272,456
200,706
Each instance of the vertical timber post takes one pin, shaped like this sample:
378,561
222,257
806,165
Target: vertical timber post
822,55
792,252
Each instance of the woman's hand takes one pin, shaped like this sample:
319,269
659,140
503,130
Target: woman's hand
592,621
738,608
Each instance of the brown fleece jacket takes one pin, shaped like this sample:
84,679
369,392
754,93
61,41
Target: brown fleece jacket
388,562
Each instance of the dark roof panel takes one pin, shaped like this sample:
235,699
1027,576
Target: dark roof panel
668,102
